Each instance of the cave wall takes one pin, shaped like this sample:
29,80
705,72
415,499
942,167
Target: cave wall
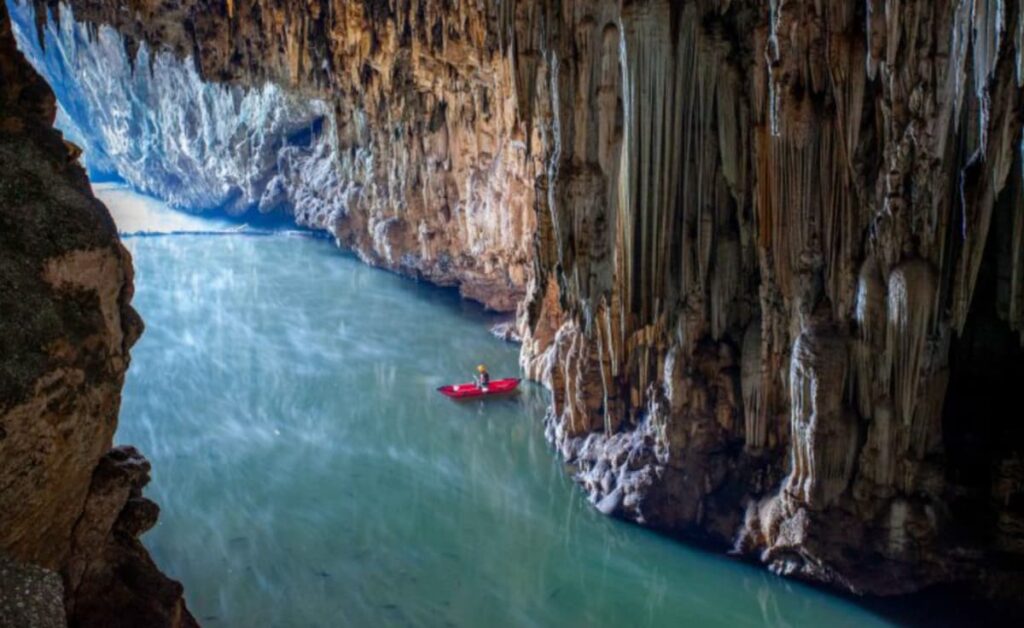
769,248
69,504
749,340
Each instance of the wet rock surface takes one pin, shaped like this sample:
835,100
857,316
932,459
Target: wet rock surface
506,331
68,504
772,253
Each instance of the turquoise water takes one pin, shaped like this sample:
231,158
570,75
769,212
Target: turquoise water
310,475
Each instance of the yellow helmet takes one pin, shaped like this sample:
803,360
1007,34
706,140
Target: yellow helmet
481,368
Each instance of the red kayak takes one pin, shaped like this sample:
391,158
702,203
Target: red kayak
469,391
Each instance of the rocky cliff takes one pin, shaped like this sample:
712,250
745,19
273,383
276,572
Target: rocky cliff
68,502
772,251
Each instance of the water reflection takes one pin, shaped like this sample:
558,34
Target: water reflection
310,475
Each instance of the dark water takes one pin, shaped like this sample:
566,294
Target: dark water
310,474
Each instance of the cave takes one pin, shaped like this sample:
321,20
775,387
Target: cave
749,275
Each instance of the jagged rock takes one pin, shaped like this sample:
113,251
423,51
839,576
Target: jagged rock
66,504
506,331
110,577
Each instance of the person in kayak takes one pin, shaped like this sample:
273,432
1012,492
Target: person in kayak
483,379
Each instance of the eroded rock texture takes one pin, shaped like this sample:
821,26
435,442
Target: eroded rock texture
66,503
772,251
768,323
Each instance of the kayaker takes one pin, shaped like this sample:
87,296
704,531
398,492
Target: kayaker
484,378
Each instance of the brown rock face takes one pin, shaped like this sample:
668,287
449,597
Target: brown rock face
773,252
110,578
65,288
794,265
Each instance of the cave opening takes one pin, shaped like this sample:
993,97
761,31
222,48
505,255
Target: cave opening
700,235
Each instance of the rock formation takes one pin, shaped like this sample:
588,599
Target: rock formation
68,504
772,251
803,266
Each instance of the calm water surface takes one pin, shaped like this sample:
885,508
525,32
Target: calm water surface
310,474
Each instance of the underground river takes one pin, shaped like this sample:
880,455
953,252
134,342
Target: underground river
310,475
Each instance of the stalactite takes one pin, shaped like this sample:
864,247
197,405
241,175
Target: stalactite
880,454
988,23
680,177
925,434
875,31
870,315
733,131
910,297
980,188
726,275
755,411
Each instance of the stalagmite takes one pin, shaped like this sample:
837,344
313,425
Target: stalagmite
824,436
